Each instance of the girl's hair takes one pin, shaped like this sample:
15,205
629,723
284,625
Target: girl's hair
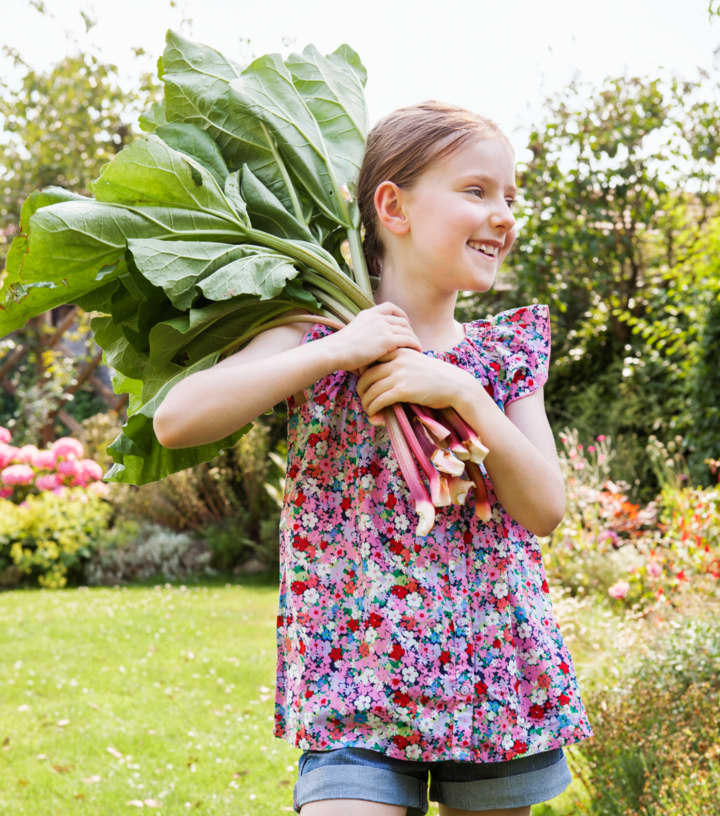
401,146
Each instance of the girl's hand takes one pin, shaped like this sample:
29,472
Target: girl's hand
371,334
405,375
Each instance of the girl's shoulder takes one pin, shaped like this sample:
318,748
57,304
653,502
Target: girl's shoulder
515,344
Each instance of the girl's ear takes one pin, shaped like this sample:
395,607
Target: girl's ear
391,214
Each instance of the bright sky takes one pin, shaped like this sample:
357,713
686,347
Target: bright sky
500,59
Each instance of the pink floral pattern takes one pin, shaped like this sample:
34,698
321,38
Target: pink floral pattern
436,648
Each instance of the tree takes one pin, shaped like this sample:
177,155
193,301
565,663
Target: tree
58,128
617,200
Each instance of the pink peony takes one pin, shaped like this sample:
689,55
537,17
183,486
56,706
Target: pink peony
91,469
601,438
8,454
43,460
69,468
5,435
619,589
60,490
48,481
26,453
67,447
17,475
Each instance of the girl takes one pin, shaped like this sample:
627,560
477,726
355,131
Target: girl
399,655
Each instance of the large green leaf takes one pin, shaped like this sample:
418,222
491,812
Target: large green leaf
258,271
190,139
265,90
332,88
139,457
267,211
150,172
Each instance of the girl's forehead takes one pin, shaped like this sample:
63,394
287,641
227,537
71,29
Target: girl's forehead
488,156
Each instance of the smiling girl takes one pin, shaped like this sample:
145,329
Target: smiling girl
399,655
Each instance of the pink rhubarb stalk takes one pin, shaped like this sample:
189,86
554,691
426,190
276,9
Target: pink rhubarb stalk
437,429
421,454
443,459
482,504
423,506
478,451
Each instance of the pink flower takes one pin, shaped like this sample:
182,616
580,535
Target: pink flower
611,534
17,474
91,469
5,435
591,448
60,490
48,481
67,447
653,569
7,454
26,453
601,458
601,438
580,447
43,460
619,589
69,468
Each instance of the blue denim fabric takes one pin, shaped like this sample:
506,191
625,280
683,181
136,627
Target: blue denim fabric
359,773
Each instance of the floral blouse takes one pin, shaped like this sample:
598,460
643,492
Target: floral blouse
441,647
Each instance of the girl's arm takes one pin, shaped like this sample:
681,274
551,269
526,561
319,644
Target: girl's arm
523,462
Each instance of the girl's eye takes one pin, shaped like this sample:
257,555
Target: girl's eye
511,202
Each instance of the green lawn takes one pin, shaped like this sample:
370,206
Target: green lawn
154,698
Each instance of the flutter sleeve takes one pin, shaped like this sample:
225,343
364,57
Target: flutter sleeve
519,341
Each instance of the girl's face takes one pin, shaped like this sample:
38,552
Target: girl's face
459,213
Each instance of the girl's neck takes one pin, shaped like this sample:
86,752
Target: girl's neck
431,315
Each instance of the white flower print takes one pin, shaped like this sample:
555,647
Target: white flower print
413,752
367,482
365,549
311,596
364,521
524,631
532,657
311,486
401,522
538,695
363,702
367,676
309,520
409,674
508,741
321,447
371,635
414,600
503,548
500,590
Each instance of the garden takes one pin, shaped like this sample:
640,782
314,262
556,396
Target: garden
139,586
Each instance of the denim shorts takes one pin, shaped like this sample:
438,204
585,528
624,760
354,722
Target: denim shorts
359,773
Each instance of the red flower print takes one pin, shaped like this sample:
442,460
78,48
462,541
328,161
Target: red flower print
353,625
564,668
399,591
545,587
444,657
336,653
401,742
490,390
395,547
321,399
480,687
300,499
563,699
397,651
537,712
401,698
298,587
374,620
346,504
391,501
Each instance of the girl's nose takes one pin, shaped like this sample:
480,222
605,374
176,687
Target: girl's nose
502,216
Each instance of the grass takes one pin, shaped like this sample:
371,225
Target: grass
156,698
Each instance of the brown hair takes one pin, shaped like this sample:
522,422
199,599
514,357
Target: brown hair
401,146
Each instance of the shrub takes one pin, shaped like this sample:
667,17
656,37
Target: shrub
655,748
47,538
137,551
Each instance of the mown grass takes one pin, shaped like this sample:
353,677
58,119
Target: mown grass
160,698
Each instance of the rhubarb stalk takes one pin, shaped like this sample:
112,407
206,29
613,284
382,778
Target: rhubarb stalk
423,506
482,504
433,476
478,451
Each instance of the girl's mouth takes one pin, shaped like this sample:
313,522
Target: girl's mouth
488,250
